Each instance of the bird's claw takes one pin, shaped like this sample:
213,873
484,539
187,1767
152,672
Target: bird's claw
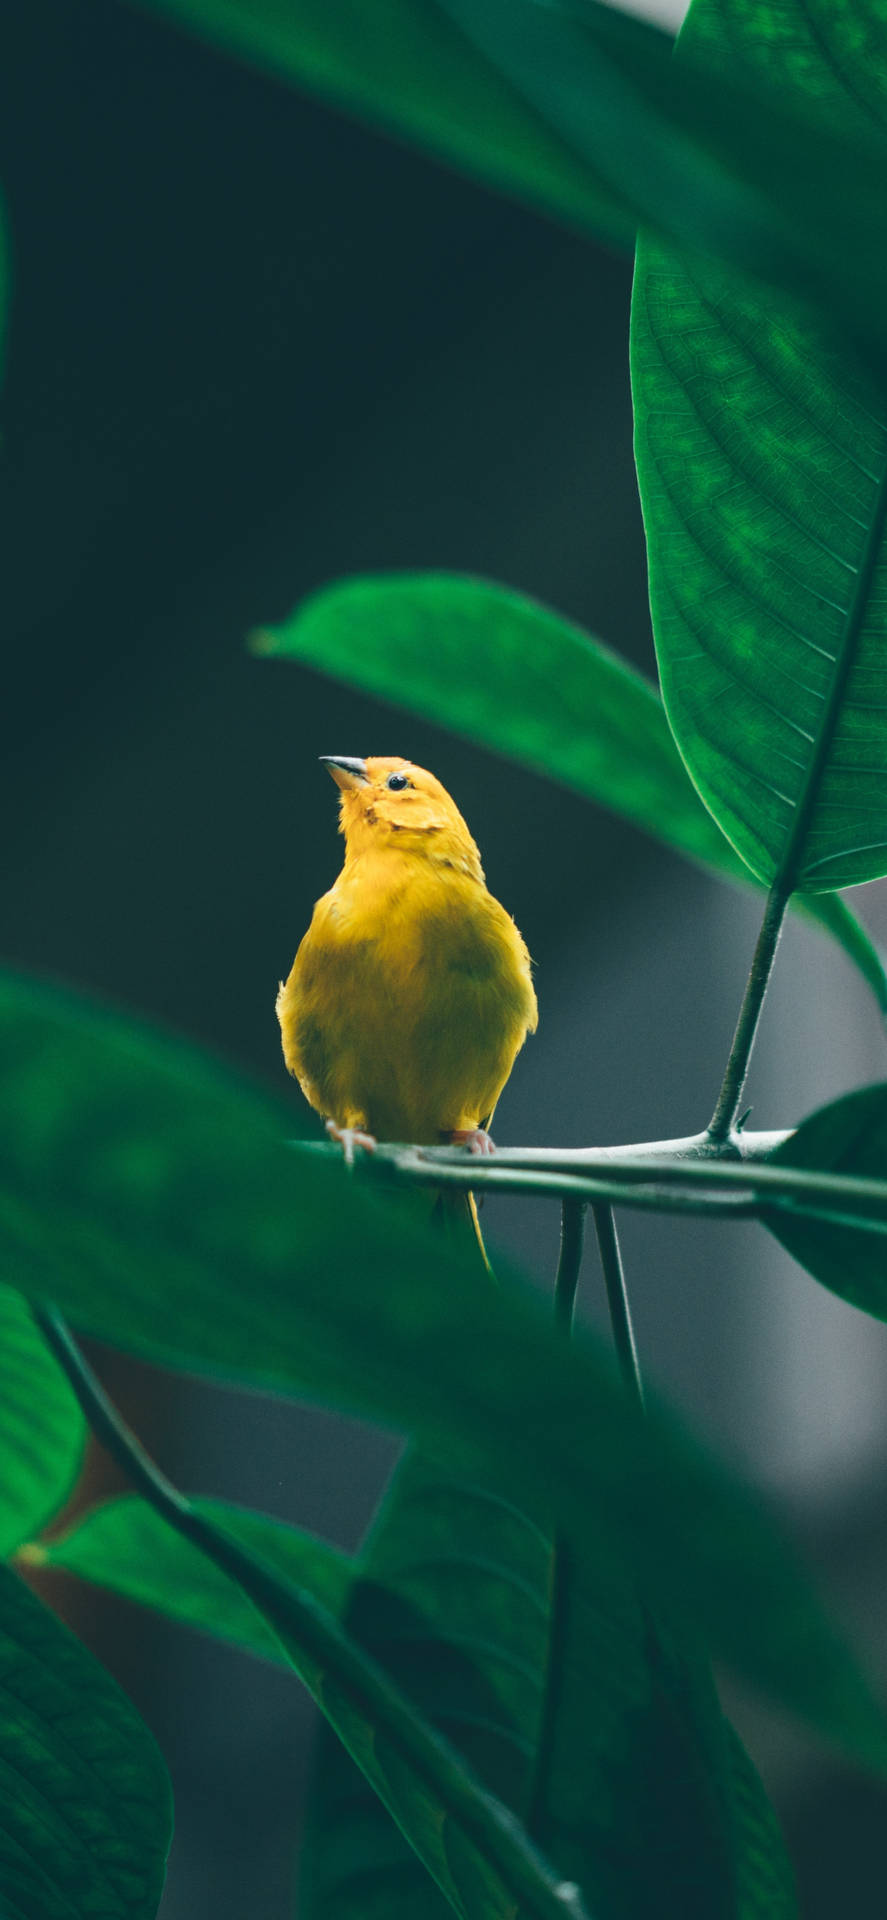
350,1138
476,1139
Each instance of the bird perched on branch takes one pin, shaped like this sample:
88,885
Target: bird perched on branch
411,993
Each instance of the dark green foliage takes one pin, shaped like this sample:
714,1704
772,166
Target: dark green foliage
150,1196
123,1544
516,1670
41,1427
762,457
849,1136
583,1719
87,1811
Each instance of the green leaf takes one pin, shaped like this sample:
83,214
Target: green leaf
87,1808
762,458
580,110
123,1544
628,1780
453,1601
498,668
848,1136
725,160
148,1194
459,1832
42,1430
402,65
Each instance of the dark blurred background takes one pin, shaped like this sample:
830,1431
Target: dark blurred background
253,347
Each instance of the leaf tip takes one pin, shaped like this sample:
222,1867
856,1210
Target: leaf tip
262,642
31,1555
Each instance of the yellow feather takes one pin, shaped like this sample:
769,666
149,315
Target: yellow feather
411,992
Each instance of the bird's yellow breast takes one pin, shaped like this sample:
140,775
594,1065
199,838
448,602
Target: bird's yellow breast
408,999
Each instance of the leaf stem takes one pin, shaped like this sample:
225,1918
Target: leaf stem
569,1262
322,1645
724,1117
560,1573
617,1300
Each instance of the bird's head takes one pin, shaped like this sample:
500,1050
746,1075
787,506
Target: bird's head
393,805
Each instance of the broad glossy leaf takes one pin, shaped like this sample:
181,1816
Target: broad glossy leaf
569,1715
498,668
848,1136
149,1194
87,1808
42,1430
762,457
579,109
125,1545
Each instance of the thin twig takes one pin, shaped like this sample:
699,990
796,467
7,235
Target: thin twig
569,1262
560,1575
617,1300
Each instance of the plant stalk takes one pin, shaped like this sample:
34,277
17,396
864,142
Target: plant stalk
569,1262
723,1119
565,1285
617,1300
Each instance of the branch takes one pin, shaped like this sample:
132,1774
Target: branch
679,1176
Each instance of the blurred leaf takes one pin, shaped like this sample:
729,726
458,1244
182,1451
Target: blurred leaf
42,1430
403,65
148,1194
762,457
636,1784
848,1136
87,1807
498,668
458,1830
453,1602
123,1544
579,109
725,160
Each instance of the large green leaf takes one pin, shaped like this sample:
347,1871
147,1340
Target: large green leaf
87,1808
41,1427
848,1136
762,456
567,1711
453,1601
498,668
125,1545
579,109
149,1194
460,1833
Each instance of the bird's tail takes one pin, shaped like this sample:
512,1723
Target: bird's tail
456,1213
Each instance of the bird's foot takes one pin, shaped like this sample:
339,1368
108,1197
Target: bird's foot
349,1138
476,1139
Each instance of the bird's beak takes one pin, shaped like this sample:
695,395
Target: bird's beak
348,774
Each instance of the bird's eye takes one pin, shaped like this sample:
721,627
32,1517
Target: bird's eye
397,780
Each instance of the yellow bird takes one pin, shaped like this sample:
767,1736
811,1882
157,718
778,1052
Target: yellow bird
411,993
